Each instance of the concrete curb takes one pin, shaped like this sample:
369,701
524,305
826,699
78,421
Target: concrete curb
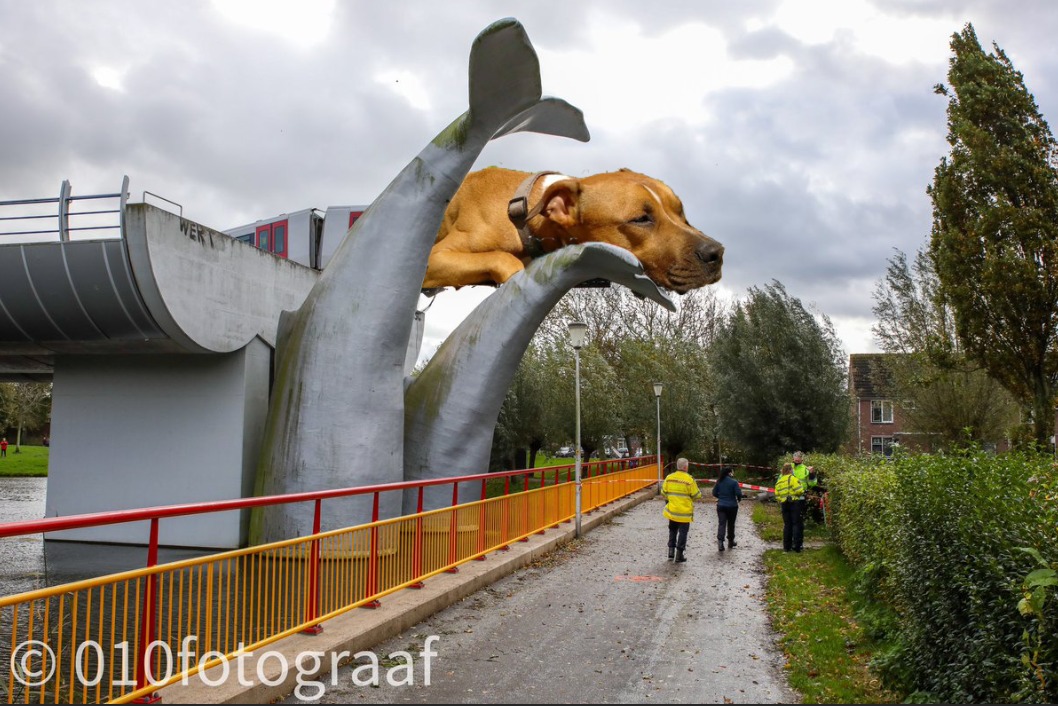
361,629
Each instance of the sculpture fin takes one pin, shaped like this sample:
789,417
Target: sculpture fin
550,116
504,74
287,321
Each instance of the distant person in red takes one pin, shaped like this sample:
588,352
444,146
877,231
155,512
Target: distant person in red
3,448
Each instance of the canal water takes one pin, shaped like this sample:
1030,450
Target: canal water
22,565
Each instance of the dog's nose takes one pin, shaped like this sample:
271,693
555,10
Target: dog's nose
711,253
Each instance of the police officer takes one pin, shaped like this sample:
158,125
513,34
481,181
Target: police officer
790,493
805,474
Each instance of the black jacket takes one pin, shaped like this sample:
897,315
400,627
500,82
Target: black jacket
727,492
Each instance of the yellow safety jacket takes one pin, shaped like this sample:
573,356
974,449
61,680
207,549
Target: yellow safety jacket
789,488
680,490
800,472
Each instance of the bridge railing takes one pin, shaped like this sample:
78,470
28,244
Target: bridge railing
121,637
50,219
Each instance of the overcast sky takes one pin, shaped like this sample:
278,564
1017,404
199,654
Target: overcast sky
801,134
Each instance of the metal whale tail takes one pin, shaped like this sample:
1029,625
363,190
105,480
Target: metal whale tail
336,416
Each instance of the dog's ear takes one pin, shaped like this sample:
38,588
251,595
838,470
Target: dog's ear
561,199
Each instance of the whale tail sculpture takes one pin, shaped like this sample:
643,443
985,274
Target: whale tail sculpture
336,417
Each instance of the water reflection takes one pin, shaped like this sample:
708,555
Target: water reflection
28,563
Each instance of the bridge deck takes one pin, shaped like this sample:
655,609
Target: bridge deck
169,286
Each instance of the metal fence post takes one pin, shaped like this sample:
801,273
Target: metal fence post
312,599
64,211
147,626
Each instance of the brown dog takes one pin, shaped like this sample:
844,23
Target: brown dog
478,244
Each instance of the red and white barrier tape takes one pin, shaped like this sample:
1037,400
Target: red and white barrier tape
740,465
747,486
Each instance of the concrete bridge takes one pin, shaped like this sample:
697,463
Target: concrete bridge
158,334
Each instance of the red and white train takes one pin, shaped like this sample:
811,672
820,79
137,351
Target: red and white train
309,236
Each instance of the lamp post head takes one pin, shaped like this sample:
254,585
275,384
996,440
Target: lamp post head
578,331
657,389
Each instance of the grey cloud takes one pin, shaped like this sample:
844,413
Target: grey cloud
764,44
237,125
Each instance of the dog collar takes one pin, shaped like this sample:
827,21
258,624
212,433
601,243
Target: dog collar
519,212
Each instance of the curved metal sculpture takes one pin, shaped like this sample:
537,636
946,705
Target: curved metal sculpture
452,406
337,412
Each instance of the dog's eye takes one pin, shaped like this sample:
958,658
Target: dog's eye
644,220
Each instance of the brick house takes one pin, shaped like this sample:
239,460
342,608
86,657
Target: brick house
877,420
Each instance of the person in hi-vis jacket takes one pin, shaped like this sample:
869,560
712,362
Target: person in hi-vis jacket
680,491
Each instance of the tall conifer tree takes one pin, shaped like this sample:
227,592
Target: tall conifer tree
995,226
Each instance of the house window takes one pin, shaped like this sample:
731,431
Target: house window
881,412
882,445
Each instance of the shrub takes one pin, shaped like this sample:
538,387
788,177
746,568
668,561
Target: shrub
938,539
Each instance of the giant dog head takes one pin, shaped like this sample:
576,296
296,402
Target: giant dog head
638,213
477,243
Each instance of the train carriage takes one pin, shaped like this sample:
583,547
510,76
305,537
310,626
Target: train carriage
309,236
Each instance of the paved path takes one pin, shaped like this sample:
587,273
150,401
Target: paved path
606,619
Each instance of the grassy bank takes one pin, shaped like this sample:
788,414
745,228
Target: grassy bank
812,602
30,461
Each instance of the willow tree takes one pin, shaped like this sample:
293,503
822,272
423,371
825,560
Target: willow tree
781,377
994,239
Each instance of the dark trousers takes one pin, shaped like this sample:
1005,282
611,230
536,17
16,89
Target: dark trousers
793,525
678,534
726,518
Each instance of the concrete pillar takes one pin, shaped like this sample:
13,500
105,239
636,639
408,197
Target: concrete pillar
132,431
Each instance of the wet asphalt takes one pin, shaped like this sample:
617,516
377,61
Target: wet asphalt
604,619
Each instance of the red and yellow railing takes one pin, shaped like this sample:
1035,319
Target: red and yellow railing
121,637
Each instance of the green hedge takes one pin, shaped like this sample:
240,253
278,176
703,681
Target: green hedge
938,541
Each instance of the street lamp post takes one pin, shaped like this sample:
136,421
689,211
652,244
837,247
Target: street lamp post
719,441
577,332
657,396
